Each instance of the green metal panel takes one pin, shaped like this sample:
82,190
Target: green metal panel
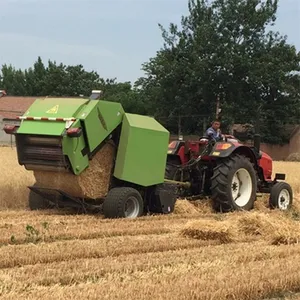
100,118
55,107
41,127
142,152
72,148
50,107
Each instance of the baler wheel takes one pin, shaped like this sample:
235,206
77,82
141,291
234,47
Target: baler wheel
123,202
281,196
234,184
37,202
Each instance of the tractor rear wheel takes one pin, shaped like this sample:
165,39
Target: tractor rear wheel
281,196
233,184
123,202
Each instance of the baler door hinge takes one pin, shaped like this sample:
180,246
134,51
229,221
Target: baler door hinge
101,119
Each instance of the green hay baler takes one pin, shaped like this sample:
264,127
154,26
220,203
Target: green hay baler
60,137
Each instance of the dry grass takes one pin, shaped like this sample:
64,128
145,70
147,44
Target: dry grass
14,180
191,254
275,228
294,157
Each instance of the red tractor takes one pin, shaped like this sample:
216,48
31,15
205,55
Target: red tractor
228,171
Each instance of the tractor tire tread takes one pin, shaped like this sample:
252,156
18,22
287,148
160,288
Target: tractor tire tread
113,204
273,203
219,186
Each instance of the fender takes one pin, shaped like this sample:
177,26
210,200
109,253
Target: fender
225,149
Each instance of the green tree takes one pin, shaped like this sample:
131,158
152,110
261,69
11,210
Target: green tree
69,81
224,48
13,80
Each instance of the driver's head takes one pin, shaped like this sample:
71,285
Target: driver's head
216,124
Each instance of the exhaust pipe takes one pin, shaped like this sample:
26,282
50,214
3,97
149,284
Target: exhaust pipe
256,140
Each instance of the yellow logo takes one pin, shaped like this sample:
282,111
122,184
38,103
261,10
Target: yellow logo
53,110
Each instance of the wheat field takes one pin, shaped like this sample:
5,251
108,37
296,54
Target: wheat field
190,254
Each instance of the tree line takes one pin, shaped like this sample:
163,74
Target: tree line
221,50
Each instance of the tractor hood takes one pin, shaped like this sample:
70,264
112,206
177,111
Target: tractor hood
50,108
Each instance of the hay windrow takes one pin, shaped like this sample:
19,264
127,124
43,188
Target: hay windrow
91,183
184,206
275,228
294,157
221,231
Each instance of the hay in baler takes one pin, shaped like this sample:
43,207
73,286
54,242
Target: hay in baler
92,183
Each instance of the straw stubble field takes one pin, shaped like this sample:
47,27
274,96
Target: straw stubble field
191,254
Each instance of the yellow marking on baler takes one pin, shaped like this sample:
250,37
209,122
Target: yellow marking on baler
53,110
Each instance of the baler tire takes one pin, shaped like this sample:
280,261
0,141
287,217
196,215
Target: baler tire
278,191
37,202
223,182
114,205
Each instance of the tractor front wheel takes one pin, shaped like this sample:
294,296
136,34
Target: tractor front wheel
123,202
281,196
233,184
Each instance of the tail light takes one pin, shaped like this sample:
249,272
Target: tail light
224,146
10,129
172,145
74,132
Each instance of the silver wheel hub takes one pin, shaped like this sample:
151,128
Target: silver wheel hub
132,207
241,187
284,199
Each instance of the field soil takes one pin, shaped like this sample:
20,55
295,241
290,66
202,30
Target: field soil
190,254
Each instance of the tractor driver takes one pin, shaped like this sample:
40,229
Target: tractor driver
214,131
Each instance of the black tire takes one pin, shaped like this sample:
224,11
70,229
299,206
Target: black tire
171,169
223,181
281,196
114,205
37,202
170,172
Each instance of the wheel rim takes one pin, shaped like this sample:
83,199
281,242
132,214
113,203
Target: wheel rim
241,187
132,207
284,199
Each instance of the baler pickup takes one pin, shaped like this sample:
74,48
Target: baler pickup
58,198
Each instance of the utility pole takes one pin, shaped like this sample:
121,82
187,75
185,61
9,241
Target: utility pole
179,127
204,125
218,107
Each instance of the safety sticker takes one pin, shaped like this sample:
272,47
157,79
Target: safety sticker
53,110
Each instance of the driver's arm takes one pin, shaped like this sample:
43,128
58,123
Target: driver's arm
209,133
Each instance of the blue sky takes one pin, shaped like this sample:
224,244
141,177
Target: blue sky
112,37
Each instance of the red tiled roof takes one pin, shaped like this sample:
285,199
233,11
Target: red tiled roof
11,106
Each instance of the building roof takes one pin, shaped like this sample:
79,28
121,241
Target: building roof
242,129
11,106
